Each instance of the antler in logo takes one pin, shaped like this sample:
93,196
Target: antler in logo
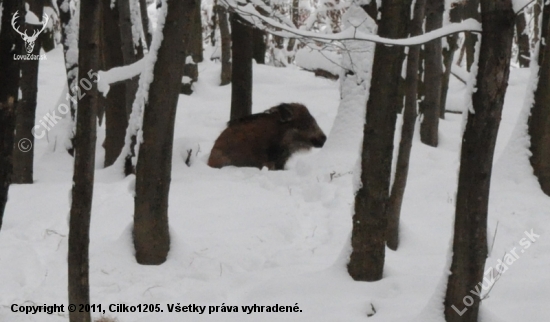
29,40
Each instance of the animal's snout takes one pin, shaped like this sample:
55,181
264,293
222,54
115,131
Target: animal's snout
319,141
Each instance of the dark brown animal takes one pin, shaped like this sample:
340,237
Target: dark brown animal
267,139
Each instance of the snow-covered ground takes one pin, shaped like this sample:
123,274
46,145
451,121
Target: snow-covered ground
242,236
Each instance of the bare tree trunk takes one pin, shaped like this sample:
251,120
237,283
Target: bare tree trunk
478,144
369,221
10,44
151,235
539,122
225,35
433,73
115,105
448,56
522,35
260,46
241,76
407,130
83,178
26,107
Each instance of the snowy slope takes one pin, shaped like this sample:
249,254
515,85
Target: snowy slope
241,236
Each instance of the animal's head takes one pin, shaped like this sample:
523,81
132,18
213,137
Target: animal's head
29,40
301,129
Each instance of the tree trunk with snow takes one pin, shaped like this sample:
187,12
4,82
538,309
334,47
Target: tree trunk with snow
115,105
225,35
10,44
84,158
193,52
476,161
522,39
539,122
241,75
129,53
145,22
407,130
433,73
69,40
471,10
26,107
153,170
448,56
369,221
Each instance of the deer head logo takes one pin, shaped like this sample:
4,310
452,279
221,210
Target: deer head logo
29,40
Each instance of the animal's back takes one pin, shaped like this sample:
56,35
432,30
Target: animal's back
245,142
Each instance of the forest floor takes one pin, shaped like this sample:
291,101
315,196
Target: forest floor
243,236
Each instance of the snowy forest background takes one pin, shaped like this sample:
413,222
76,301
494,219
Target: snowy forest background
428,202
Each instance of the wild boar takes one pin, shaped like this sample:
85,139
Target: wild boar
267,139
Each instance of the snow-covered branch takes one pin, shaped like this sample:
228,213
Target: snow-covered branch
248,12
119,74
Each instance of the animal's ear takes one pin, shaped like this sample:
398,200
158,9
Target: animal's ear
286,112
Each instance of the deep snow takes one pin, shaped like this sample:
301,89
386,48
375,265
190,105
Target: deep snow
243,236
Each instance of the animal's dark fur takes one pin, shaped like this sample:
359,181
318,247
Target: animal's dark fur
267,139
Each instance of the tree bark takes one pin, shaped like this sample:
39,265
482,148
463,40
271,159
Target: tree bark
26,108
369,221
225,77
522,39
193,51
260,46
448,56
128,50
151,235
478,144
407,130
10,44
83,178
433,73
115,104
539,121
241,76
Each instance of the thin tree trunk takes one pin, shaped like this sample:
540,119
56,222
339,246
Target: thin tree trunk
10,44
151,235
26,107
83,178
128,51
115,104
241,76
295,15
448,56
471,10
522,35
69,40
478,144
539,122
260,46
433,74
226,45
145,22
407,130
193,51
369,221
